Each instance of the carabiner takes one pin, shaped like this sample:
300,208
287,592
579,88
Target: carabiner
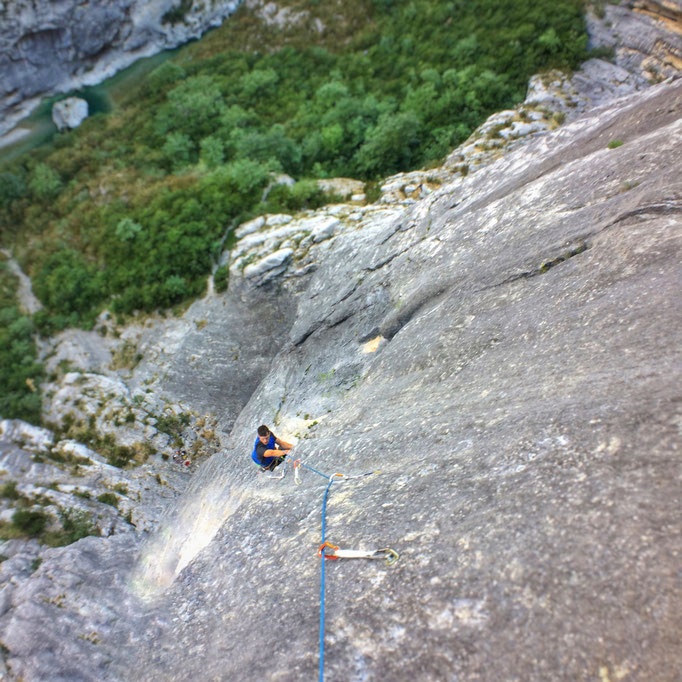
391,555
327,556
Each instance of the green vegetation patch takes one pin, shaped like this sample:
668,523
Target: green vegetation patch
173,426
76,524
20,371
9,491
122,456
108,498
30,522
130,209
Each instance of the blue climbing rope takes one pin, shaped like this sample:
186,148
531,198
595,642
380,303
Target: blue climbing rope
319,473
324,515
322,550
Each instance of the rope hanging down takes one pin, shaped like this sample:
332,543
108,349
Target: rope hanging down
389,555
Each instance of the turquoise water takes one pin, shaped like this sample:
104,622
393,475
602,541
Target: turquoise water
101,98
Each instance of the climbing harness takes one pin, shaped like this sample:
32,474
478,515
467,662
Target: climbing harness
283,471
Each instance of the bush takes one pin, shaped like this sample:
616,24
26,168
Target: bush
212,152
390,146
12,187
67,284
9,491
108,498
31,523
127,229
76,524
45,182
163,76
221,278
177,14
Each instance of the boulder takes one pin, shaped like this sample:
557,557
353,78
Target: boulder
343,187
274,261
69,113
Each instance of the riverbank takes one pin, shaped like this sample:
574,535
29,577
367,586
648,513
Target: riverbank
37,128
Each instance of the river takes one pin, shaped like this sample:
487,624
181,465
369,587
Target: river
38,128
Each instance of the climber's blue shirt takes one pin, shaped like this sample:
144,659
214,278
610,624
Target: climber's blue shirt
259,449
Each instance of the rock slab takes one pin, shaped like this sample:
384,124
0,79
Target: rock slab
504,350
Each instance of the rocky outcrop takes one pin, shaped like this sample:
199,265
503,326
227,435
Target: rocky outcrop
55,477
646,35
47,48
502,348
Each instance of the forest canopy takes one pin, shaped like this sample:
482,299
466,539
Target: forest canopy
130,210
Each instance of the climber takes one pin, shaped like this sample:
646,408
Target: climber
267,449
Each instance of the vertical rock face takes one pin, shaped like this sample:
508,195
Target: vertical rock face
503,349
521,402
51,47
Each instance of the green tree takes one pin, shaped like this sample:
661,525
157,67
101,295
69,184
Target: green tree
67,284
192,108
212,152
261,82
45,182
390,146
127,229
175,288
273,144
178,150
163,76
12,187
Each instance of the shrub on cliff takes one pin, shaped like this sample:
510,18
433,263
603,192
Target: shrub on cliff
29,522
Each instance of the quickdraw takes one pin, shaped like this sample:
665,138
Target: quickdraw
389,555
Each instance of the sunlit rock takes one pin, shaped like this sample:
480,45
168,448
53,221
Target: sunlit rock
69,113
